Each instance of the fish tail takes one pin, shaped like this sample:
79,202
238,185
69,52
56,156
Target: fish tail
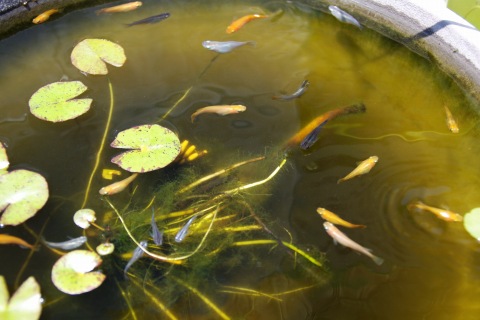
362,226
340,180
379,261
355,108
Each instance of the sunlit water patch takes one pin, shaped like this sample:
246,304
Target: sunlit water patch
261,251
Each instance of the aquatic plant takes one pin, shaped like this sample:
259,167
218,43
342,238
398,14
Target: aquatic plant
25,304
91,55
471,222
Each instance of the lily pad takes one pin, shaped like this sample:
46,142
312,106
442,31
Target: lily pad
471,222
106,248
153,147
3,159
84,217
90,55
22,194
72,273
25,304
54,102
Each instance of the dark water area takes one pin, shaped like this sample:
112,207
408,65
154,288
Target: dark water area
431,266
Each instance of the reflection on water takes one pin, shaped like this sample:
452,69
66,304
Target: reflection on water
431,267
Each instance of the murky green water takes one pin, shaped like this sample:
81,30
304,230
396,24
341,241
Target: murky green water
430,269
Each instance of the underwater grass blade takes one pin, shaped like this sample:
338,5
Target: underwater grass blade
127,301
154,299
250,292
102,146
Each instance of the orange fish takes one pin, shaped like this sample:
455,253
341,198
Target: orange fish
220,110
443,214
333,218
8,239
451,123
363,167
321,120
237,24
118,186
121,8
44,16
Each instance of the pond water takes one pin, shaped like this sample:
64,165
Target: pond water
431,266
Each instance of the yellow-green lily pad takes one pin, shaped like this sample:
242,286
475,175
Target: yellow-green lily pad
153,147
54,102
22,194
25,304
3,160
72,273
471,222
90,55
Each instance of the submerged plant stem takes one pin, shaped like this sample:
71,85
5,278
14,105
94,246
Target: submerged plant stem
102,145
155,300
127,301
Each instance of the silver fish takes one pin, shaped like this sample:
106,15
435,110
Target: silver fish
344,17
67,245
224,46
157,235
341,238
301,90
180,236
137,254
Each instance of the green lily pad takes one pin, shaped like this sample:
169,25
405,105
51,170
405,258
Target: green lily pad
471,222
22,194
54,102
72,273
90,55
3,160
25,304
153,147
84,217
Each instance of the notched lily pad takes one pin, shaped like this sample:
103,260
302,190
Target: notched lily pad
471,222
25,304
55,102
22,194
3,159
90,55
153,147
72,273
84,217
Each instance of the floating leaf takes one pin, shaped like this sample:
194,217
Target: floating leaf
25,304
22,194
471,222
153,146
72,273
3,159
104,249
84,217
54,102
90,55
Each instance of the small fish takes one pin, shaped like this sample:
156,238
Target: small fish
180,236
320,121
363,167
224,46
150,20
44,16
301,90
344,17
220,110
118,186
66,245
312,137
8,239
137,254
237,24
121,8
333,218
443,214
157,235
340,237
451,123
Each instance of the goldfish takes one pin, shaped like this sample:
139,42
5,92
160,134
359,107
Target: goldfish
301,90
443,214
344,17
237,24
340,237
333,218
180,236
224,46
157,235
137,254
220,110
363,167
310,129
451,123
67,245
118,186
121,8
8,239
44,16
150,20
